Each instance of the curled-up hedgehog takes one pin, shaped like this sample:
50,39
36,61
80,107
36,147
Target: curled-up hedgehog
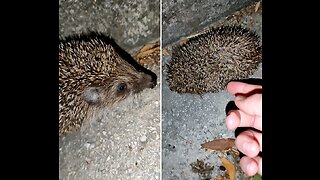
207,62
95,71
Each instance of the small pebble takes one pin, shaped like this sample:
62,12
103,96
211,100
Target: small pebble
143,139
104,133
87,145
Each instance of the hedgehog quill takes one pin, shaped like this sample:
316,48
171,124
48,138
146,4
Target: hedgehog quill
94,71
207,62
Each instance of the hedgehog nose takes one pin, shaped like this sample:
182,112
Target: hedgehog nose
153,81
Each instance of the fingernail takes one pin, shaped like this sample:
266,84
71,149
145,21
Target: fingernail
229,107
250,167
248,147
231,124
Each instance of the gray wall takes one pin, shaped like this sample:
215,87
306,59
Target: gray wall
183,17
130,23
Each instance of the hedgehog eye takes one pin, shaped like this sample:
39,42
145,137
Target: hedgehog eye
121,87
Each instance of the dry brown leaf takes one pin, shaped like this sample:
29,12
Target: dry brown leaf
183,41
145,62
219,178
202,168
219,144
257,7
145,53
149,46
165,52
231,169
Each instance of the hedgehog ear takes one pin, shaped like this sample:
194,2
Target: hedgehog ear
92,95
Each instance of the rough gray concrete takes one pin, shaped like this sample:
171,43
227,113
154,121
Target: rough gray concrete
181,18
130,23
190,120
122,142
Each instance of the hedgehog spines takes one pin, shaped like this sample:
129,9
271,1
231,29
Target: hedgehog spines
205,63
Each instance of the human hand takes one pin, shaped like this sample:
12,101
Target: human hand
248,98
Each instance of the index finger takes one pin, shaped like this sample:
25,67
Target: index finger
251,105
235,87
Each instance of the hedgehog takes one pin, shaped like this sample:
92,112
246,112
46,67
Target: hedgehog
95,72
207,62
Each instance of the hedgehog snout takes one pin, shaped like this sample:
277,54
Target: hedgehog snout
149,80
145,81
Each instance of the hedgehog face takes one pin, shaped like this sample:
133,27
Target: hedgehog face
118,86
122,85
93,71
